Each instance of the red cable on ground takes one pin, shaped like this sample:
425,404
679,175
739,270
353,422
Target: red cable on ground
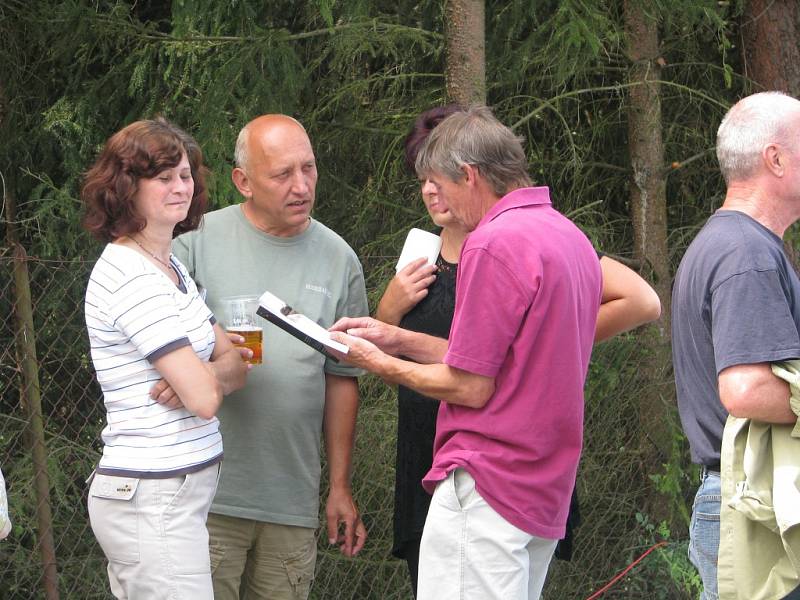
624,572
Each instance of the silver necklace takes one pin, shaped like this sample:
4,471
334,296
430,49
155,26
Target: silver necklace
153,254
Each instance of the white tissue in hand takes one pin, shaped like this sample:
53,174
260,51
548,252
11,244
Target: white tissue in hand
419,244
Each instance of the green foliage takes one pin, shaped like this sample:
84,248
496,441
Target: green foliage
667,573
678,480
83,575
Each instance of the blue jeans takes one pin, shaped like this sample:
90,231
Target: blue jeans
704,533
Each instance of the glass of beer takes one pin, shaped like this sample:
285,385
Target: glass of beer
241,319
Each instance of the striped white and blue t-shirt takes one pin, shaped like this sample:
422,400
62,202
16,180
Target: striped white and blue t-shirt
134,315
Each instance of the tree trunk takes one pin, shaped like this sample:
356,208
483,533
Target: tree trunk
465,70
771,55
646,150
771,44
649,215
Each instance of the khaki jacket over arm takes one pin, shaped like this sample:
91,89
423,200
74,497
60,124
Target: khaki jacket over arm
759,552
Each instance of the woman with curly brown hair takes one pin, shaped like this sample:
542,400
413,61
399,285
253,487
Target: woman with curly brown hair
162,362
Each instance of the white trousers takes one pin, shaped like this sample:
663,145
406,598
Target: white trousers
468,551
153,532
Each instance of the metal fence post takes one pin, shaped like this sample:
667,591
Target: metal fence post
25,342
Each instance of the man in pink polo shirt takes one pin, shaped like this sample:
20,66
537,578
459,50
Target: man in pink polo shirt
509,430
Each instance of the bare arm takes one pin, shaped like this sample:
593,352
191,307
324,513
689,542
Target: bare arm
440,381
404,291
435,380
226,365
628,301
753,392
339,423
419,347
192,380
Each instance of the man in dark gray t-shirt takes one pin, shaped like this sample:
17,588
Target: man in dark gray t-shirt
736,301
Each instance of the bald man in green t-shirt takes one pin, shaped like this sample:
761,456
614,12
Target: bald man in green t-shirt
265,514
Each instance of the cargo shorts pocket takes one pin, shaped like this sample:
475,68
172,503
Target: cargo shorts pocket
113,515
300,569
216,552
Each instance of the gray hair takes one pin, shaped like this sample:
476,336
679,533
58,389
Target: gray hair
241,150
751,124
475,137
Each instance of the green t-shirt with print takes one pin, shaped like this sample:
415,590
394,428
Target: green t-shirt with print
272,427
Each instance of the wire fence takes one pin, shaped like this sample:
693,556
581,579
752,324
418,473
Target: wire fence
51,415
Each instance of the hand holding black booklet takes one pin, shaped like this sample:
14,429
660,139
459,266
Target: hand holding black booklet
276,311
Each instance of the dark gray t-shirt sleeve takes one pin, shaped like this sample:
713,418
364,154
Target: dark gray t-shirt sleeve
752,321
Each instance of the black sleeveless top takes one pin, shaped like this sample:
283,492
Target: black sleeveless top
416,414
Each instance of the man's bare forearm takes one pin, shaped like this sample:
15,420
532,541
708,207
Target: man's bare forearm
339,425
437,380
230,370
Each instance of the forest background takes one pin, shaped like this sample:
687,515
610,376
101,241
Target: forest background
618,103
